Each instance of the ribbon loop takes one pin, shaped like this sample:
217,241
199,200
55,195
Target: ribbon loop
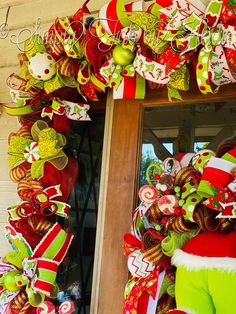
37,269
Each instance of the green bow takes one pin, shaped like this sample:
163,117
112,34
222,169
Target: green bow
42,144
32,46
114,73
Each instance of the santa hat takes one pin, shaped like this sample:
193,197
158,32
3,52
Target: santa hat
218,173
208,250
113,15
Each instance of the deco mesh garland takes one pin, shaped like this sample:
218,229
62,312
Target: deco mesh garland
127,49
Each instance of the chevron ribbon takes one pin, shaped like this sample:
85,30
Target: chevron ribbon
136,287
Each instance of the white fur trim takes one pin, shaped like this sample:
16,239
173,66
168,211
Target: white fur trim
194,262
220,164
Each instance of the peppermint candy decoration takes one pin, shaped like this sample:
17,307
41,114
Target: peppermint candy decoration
66,307
168,204
31,152
138,265
46,308
148,194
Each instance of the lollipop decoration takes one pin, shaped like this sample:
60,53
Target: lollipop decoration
66,307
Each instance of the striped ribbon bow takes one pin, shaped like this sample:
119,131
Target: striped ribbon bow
32,271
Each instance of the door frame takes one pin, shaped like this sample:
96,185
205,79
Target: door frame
118,189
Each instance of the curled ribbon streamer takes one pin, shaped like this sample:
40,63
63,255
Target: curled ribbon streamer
153,253
172,166
175,241
178,224
41,202
205,219
154,170
39,225
26,186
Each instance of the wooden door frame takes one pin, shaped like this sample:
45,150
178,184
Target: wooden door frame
118,189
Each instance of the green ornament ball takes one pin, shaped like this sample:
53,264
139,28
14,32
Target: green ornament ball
9,281
122,56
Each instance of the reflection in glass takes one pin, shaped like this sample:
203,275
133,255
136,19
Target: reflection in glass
168,130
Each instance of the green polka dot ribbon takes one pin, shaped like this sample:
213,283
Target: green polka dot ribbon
189,206
70,42
49,144
113,73
203,78
105,37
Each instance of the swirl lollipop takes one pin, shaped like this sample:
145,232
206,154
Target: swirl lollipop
66,307
148,194
168,204
46,308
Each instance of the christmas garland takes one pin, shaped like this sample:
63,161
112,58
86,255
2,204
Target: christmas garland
45,176
184,197
125,48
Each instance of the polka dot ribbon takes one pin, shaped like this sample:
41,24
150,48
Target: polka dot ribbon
113,73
